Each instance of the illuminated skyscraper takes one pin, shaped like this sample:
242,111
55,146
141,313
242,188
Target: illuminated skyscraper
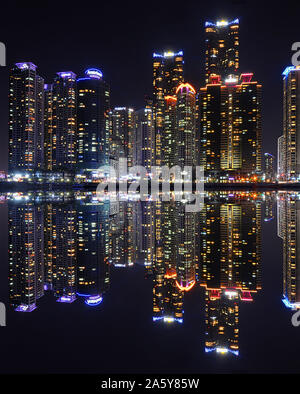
147,249
26,254
288,226
291,123
229,266
167,291
269,167
26,120
186,125
144,144
230,128
170,135
122,133
281,162
222,321
221,48
93,250
64,251
122,238
92,120
64,147
167,76
48,126
270,200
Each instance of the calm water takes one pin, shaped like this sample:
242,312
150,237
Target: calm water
121,286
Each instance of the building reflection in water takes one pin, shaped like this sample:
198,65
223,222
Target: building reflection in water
288,227
68,243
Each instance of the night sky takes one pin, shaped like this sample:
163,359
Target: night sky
119,37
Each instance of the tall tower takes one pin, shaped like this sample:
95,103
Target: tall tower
48,125
229,266
230,128
26,123
122,133
281,160
93,250
64,153
186,125
144,149
291,122
92,120
288,230
221,48
64,254
26,254
170,135
167,76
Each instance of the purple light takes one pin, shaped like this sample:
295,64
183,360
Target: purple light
94,73
66,299
94,300
25,308
47,86
26,66
67,74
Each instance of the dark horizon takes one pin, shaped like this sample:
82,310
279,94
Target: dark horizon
120,40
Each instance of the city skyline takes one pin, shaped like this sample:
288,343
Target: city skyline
66,130
270,77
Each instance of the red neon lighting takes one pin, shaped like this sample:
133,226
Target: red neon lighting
246,78
246,296
215,79
214,294
186,288
187,86
171,273
172,98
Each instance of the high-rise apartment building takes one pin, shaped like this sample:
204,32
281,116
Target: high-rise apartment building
64,129
122,134
291,124
269,167
48,125
230,128
221,49
93,100
167,76
185,125
26,120
144,142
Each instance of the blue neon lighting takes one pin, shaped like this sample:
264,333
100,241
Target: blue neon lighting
288,70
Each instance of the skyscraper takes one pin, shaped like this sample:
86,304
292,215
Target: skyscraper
288,226
122,133
230,128
167,76
281,162
291,123
170,135
221,48
26,122
269,167
186,125
26,255
144,144
64,254
64,146
93,250
48,125
229,266
92,121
